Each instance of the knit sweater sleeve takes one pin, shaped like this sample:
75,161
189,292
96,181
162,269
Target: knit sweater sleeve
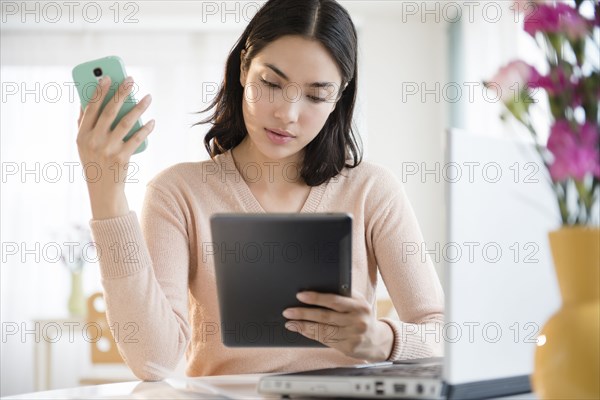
144,270
409,276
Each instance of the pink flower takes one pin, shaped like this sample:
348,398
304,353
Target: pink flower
575,153
511,79
558,18
554,83
575,26
543,19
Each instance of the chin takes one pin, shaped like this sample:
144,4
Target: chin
274,152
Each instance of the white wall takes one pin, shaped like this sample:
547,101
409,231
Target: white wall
404,130
173,52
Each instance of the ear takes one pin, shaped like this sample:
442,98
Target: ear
242,69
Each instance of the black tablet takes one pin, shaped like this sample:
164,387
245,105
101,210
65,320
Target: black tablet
263,260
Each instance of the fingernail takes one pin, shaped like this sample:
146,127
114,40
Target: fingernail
147,98
291,327
302,296
129,79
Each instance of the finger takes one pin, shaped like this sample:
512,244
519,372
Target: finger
129,120
329,300
92,110
358,295
326,334
138,138
320,315
114,105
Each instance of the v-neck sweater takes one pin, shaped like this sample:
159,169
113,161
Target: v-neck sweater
159,281
251,204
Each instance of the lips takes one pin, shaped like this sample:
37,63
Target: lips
278,139
280,132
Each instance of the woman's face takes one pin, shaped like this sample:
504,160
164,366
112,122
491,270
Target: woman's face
291,86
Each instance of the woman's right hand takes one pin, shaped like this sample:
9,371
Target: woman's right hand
103,153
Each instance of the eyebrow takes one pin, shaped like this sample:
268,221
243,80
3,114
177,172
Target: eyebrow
284,76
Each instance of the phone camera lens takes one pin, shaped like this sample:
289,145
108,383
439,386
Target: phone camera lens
97,71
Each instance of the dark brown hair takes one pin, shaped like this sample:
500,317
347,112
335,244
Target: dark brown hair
336,146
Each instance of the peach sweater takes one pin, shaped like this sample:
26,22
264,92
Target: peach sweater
160,288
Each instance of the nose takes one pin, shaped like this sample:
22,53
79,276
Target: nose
288,107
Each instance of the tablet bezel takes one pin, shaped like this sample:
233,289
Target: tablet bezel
250,314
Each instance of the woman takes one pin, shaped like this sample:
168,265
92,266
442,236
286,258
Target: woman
281,141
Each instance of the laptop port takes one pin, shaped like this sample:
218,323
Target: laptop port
419,388
399,388
379,388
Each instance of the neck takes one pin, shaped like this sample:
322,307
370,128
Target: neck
271,175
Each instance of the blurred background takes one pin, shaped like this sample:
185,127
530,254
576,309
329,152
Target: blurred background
421,67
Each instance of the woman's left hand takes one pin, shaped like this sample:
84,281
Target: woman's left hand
348,324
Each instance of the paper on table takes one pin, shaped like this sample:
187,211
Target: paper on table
204,387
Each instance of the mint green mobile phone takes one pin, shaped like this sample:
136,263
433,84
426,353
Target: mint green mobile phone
86,77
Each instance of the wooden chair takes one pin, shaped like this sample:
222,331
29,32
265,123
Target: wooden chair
104,350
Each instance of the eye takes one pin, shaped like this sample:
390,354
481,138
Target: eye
269,84
315,99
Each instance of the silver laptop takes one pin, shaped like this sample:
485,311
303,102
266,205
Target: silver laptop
499,285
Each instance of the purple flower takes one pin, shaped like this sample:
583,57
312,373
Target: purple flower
575,153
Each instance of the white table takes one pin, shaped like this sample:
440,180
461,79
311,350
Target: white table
235,386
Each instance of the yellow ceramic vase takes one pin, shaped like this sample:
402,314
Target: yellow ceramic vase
567,358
